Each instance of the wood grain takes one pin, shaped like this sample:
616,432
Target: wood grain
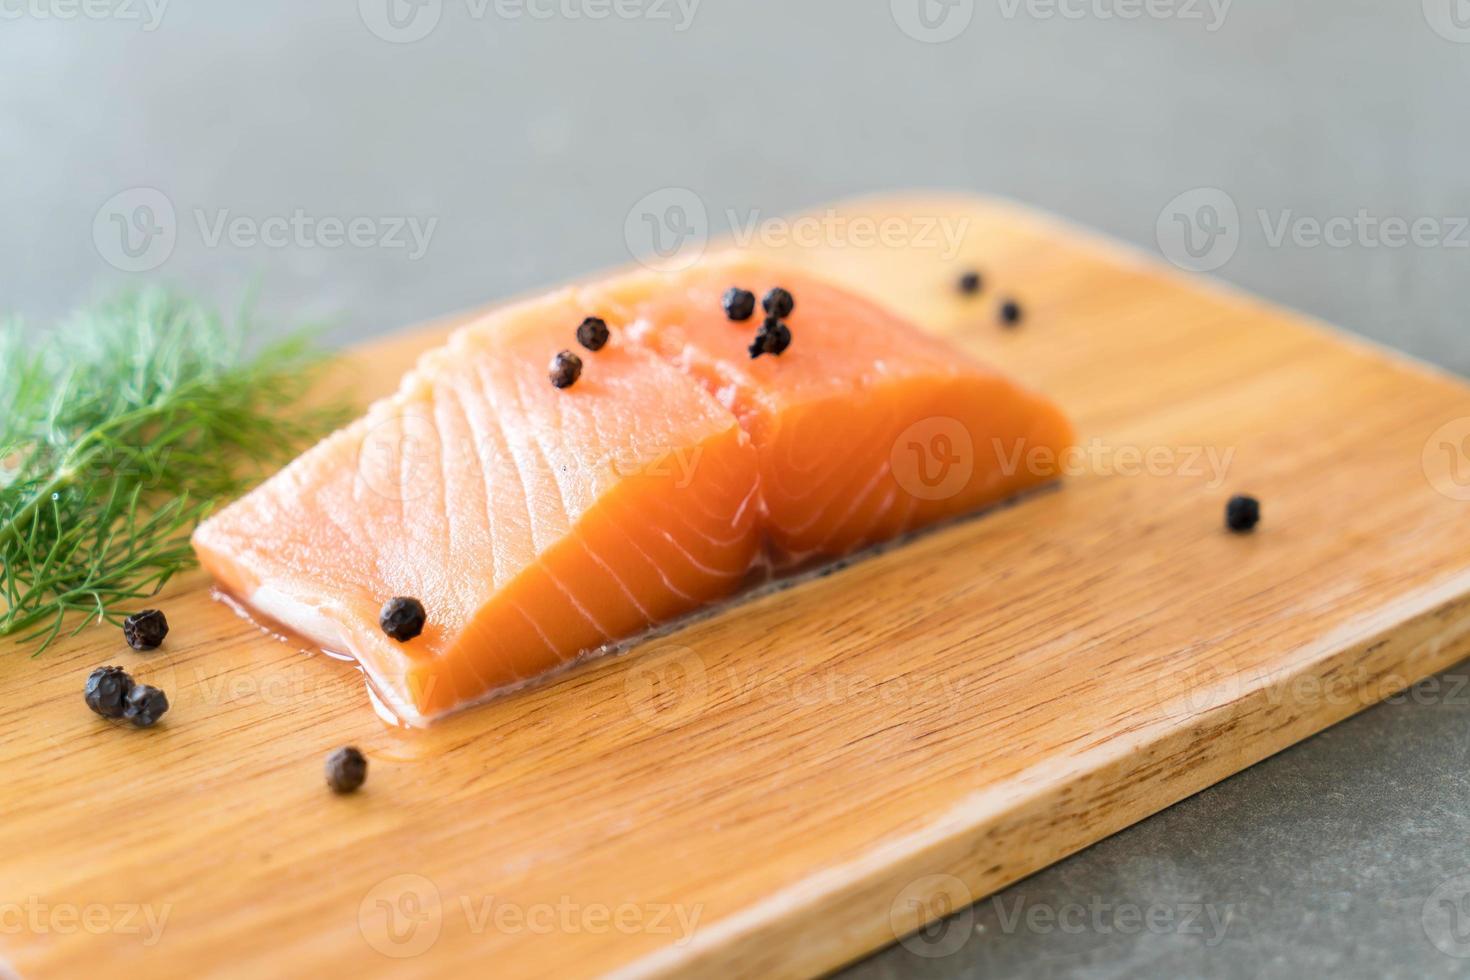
786,786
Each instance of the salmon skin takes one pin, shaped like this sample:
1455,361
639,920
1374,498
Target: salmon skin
536,523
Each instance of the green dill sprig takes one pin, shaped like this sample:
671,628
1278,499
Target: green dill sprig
122,429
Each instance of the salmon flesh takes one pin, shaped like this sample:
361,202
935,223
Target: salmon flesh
536,524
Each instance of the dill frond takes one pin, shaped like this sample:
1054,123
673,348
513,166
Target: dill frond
120,430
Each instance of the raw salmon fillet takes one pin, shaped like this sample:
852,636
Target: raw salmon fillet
866,426
536,524
533,523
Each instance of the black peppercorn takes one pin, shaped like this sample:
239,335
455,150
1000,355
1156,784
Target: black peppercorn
145,630
970,283
566,368
346,770
145,705
739,303
772,338
402,618
778,303
1010,313
592,334
107,691
1242,514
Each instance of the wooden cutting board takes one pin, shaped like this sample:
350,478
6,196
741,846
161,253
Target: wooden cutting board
791,784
